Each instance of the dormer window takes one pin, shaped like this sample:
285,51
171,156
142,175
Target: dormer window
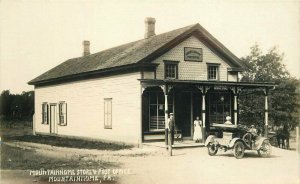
171,69
213,71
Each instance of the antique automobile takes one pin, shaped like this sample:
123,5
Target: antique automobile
237,138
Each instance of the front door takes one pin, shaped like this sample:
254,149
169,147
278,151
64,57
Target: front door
183,113
53,125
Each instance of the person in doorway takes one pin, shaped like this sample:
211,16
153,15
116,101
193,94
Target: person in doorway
171,125
197,130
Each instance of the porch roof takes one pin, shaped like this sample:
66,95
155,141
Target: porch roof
208,83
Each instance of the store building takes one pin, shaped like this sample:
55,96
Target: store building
125,93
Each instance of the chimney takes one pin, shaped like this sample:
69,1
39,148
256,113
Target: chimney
149,27
86,47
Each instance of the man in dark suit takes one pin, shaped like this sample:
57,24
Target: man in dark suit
171,124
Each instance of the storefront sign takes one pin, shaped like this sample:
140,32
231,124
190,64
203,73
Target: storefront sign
192,54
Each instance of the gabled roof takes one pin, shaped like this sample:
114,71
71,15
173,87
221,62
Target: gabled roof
133,54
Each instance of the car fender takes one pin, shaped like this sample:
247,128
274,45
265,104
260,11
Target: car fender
209,139
259,141
233,141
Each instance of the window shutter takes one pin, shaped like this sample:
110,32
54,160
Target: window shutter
47,114
57,116
43,114
108,113
65,113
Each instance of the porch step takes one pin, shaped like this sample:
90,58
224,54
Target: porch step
177,145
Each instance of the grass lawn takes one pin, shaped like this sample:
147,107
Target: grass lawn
66,142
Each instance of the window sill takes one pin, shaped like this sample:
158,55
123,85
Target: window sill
213,79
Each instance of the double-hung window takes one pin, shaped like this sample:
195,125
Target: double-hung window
108,113
213,72
45,108
62,113
157,110
171,69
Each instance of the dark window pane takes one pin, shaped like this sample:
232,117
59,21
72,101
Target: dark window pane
153,98
161,98
170,70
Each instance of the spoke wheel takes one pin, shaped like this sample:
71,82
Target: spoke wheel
238,150
247,139
212,149
265,149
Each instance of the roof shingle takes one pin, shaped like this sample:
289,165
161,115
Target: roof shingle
122,55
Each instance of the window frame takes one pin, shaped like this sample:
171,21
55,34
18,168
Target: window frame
217,66
45,111
107,125
158,123
62,115
174,63
217,105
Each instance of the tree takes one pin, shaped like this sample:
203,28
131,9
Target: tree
283,100
5,101
17,106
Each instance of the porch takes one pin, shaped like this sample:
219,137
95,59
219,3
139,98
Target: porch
211,101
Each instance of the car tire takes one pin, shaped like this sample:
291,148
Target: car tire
212,149
265,149
247,138
238,150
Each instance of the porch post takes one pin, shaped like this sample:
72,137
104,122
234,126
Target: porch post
166,114
203,115
235,107
266,112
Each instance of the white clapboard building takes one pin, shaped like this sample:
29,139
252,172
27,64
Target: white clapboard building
125,93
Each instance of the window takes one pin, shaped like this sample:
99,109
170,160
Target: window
62,110
171,69
213,72
108,113
220,106
157,110
45,113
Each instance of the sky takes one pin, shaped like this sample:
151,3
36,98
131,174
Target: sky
37,35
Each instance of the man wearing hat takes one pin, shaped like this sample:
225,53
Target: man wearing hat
171,126
253,130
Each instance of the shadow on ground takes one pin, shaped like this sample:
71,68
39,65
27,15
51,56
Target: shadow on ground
66,142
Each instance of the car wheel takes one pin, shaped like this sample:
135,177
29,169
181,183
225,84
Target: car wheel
265,149
212,149
238,150
247,139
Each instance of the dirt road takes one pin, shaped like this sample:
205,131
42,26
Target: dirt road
190,165
195,166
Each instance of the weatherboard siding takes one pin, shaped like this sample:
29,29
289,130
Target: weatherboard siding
148,75
232,77
85,107
192,70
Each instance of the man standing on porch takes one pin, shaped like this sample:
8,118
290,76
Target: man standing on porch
171,125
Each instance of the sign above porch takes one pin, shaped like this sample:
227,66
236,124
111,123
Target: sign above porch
192,54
